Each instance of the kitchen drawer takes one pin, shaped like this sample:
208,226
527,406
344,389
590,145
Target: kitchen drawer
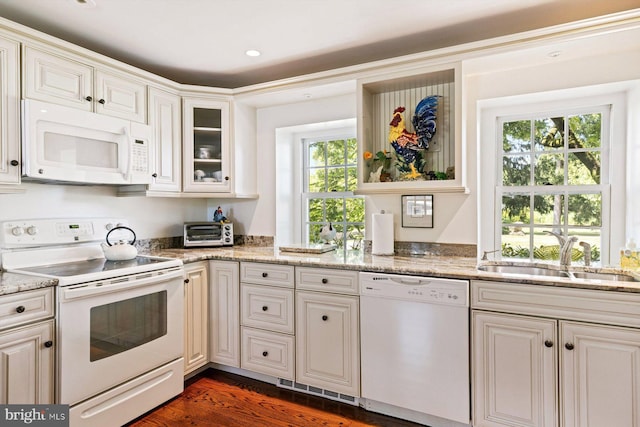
267,307
269,353
327,280
26,307
267,274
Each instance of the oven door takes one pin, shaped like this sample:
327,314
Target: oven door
112,331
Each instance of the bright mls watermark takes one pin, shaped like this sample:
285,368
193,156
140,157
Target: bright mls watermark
34,415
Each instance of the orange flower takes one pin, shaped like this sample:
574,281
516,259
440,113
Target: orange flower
368,155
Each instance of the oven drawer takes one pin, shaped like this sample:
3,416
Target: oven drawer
269,353
26,307
327,280
267,274
267,307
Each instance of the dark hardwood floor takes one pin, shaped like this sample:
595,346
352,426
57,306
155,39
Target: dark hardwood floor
220,399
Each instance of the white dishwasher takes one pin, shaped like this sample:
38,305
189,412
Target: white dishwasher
415,347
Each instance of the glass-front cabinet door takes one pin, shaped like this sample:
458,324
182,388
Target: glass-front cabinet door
206,145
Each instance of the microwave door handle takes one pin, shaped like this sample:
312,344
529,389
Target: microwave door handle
126,157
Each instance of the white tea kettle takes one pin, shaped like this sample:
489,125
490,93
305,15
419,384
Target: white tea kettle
122,250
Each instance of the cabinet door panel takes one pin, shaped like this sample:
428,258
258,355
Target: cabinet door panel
165,118
327,340
26,365
600,375
9,113
225,312
197,317
120,97
514,370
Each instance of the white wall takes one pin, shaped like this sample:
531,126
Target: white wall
149,217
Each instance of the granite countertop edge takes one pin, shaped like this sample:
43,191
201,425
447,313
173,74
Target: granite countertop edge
12,283
453,267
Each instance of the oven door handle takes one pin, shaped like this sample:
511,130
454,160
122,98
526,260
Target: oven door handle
116,285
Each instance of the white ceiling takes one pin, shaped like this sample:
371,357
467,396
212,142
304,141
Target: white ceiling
203,42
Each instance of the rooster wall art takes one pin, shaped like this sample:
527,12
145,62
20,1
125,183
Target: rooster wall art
410,146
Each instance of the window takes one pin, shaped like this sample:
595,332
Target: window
553,177
329,166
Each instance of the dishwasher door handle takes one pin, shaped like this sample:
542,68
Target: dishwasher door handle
412,282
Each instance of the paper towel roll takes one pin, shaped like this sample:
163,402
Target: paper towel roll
382,234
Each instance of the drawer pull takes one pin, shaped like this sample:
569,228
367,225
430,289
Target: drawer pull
265,274
569,346
265,308
548,343
48,344
265,353
325,317
20,309
88,98
325,281
186,280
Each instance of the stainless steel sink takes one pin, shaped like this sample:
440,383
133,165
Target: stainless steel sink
523,270
603,276
526,270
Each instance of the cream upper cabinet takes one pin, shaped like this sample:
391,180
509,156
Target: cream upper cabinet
166,154
52,77
207,150
327,342
224,296
9,112
196,331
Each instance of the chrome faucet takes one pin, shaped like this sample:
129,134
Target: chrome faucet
566,246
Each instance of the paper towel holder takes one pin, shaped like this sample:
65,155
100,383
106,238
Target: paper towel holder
417,211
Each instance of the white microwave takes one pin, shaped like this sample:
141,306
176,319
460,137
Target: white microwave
68,145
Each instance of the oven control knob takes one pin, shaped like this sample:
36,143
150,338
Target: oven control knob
17,231
109,226
32,230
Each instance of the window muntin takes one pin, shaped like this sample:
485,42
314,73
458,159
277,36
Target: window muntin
330,176
552,178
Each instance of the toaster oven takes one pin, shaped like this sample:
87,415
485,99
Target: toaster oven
208,234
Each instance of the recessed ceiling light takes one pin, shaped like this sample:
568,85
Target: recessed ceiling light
90,3
252,52
554,54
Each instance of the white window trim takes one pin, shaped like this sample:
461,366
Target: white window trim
490,110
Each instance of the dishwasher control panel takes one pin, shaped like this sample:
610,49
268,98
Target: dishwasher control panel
415,288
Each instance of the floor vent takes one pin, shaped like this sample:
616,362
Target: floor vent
316,391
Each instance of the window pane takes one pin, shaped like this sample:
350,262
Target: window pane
352,151
584,168
317,181
585,131
316,210
585,209
314,232
355,209
316,154
549,134
516,170
335,152
545,246
352,178
336,180
548,209
549,169
335,210
516,136
515,208
515,242
591,236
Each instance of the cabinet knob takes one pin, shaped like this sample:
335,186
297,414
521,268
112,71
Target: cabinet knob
186,280
265,274
265,308
20,309
569,346
226,178
48,344
548,343
102,101
88,98
154,175
325,317
325,281
14,163
265,353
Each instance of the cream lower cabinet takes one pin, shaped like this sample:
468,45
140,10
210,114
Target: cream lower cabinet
327,330
224,326
560,368
267,319
196,297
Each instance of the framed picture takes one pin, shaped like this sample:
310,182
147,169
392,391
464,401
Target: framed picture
417,211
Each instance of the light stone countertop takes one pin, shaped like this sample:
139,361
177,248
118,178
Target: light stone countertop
11,283
420,265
